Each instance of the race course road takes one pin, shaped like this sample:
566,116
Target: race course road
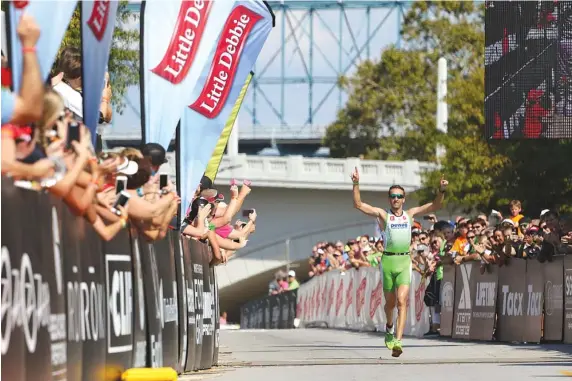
326,355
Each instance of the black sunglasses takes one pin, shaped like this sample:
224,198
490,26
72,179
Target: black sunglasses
398,196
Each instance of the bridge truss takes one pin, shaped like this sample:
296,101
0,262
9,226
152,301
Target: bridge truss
295,88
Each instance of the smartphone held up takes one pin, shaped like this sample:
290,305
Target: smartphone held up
122,200
247,212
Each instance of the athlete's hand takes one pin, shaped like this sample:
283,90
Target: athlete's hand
355,176
443,184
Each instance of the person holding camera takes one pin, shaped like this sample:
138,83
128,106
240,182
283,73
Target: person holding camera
396,261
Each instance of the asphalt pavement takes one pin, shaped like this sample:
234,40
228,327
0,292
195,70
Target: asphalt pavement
322,354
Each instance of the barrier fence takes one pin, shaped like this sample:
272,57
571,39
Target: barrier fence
76,308
524,301
271,312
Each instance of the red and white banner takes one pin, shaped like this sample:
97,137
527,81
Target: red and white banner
178,41
354,300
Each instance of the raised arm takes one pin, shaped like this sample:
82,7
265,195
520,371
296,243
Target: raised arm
432,206
362,206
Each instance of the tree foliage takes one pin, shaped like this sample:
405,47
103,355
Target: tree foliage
123,63
391,115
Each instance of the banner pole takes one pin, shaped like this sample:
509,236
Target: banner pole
142,77
178,170
214,163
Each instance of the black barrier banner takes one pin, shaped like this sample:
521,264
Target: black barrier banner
553,299
35,280
140,342
511,306
216,318
245,316
284,303
568,299
196,252
182,300
191,303
152,305
464,289
167,297
13,344
71,237
208,310
54,263
447,300
91,303
266,323
293,296
119,291
272,312
274,309
533,302
77,309
484,302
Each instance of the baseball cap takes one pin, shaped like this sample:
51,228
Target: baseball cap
128,167
507,221
155,152
292,273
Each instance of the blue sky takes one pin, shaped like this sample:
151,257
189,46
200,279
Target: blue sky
296,95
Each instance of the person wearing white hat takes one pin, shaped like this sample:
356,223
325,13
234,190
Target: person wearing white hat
292,282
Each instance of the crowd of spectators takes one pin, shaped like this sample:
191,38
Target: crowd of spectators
46,147
489,240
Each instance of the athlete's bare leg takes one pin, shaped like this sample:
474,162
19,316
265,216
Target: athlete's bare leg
402,295
390,301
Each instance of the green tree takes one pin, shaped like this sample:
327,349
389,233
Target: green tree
123,63
390,113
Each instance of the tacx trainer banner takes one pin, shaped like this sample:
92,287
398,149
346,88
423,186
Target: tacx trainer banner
213,98
178,39
214,163
511,307
52,18
97,25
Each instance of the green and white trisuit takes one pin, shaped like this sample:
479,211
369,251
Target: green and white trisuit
396,262
396,265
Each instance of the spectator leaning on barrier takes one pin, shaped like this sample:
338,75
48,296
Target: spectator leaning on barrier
292,281
215,223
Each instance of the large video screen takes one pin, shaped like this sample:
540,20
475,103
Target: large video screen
528,69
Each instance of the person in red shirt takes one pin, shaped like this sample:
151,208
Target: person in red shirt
533,114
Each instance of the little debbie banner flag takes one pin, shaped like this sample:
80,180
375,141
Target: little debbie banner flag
97,25
238,46
52,18
178,39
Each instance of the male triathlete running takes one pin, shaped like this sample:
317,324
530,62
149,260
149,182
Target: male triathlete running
396,260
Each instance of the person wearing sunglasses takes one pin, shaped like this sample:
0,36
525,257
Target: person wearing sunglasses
396,261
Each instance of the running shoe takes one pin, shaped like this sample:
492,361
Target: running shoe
389,340
397,349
